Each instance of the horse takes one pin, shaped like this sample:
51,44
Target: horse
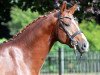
26,52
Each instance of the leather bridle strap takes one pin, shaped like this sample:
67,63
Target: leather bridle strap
76,33
62,25
64,17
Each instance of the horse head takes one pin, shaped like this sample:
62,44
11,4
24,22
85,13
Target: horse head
68,30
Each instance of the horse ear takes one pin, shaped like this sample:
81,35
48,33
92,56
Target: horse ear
73,9
63,7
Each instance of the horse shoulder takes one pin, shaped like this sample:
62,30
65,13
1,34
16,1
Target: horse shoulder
12,61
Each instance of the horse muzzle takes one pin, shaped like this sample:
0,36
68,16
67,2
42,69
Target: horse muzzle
82,47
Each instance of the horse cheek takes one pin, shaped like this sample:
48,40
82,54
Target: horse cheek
62,36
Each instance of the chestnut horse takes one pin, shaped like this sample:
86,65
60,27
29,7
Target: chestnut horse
27,51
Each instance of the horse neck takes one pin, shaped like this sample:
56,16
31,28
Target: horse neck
42,29
37,40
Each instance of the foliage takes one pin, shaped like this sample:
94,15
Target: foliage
39,5
92,31
20,19
2,40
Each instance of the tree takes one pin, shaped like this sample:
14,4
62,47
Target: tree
4,17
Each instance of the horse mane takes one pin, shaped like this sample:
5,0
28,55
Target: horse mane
25,28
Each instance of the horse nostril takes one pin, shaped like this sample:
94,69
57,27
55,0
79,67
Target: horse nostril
83,46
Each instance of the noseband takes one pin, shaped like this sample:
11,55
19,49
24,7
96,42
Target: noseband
72,42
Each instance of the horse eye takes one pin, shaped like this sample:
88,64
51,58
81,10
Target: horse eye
67,24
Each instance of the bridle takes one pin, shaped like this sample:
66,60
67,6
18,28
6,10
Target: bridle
72,42
71,37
